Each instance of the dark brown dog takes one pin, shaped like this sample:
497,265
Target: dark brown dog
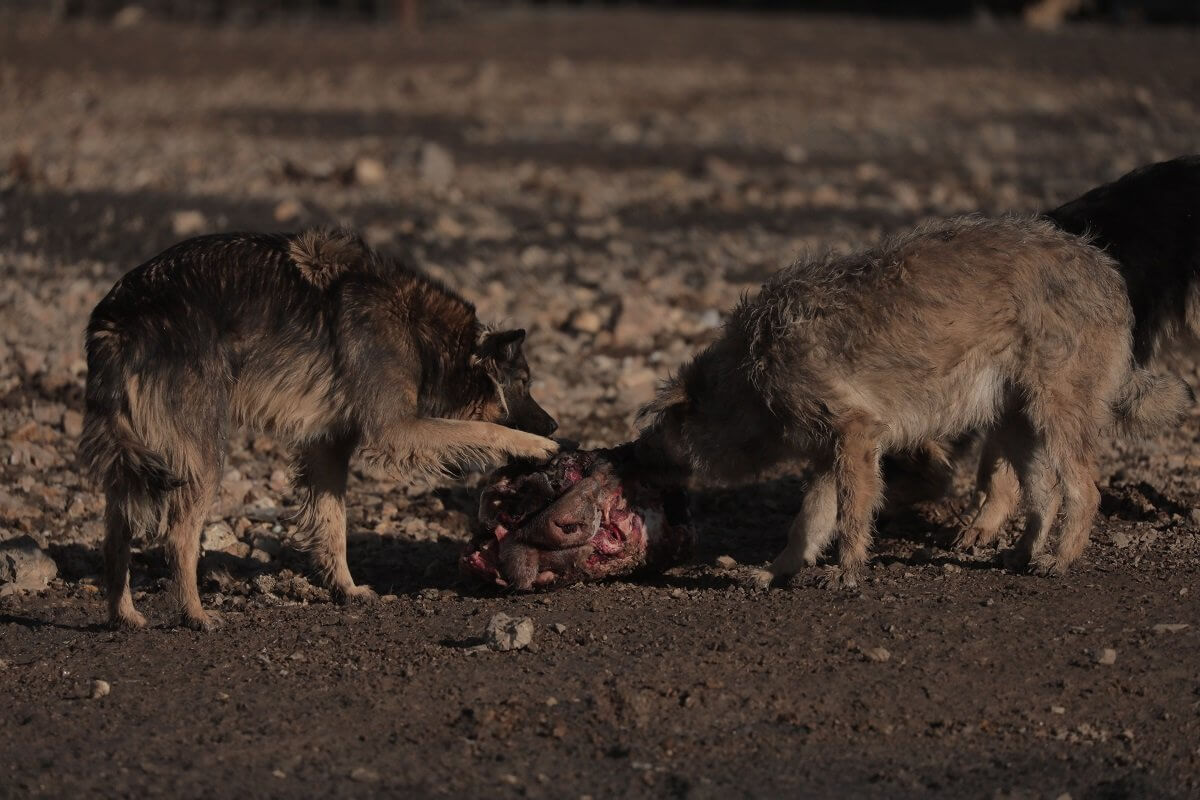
313,338
1009,325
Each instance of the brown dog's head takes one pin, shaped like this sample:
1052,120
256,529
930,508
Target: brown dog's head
710,420
499,355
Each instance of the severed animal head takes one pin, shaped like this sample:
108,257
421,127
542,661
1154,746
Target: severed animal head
500,356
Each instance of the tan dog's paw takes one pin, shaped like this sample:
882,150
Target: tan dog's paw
128,621
972,537
1047,566
835,579
357,594
757,579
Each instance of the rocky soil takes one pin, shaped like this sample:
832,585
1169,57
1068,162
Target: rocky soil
612,182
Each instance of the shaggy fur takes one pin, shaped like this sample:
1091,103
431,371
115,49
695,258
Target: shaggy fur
1149,221
961,325
313,338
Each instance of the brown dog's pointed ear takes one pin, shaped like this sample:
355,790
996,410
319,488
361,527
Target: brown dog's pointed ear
670,395
501,346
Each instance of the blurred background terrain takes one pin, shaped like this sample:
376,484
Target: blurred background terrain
611,177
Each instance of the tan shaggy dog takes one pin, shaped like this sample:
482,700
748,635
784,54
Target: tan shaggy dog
1011,326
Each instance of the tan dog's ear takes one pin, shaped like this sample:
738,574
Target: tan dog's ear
671,393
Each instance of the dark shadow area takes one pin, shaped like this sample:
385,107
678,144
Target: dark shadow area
38,624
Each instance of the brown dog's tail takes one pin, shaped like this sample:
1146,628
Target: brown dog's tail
133,476
1148,403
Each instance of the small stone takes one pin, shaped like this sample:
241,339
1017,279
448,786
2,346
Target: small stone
1106,656
559,628
288,210
534,256
950,569
1195,516
1121,540
188,222
99,689
877,654
1171,627
388,598
72,422
508,633
128,17
727,562
436,165
721,171
24,566
795,154
1058,710
217,537
585,321
261,556
364,775
448,227
369,171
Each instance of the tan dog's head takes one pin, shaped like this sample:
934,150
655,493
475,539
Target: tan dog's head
710,419
500,357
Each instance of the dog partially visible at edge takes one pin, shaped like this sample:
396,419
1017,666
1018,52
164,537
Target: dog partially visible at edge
1149,222
1011,326
313,338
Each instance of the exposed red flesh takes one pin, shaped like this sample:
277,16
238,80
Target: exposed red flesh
582,517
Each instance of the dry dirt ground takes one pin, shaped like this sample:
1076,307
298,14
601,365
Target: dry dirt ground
612,182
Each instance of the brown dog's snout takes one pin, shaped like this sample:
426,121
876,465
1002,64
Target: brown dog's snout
532,418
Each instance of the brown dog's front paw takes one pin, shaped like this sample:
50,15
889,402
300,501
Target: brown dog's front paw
203,621
539,448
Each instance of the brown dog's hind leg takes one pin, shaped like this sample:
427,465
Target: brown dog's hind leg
186,510
117,537
322,468
859,490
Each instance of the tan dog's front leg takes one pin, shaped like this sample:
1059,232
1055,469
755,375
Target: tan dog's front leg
860,489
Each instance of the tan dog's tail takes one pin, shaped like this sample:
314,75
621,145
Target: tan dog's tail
1149,403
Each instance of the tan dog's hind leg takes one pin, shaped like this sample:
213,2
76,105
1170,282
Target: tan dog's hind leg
322,468
997,489
1042,499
